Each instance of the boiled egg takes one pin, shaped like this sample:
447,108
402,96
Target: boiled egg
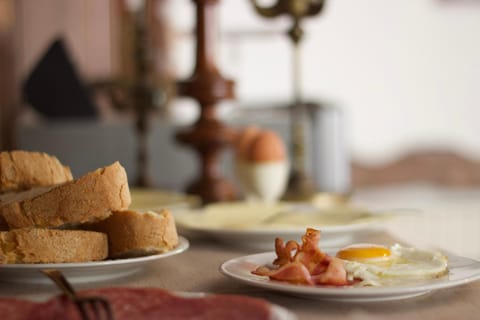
373,265
261,164
266,146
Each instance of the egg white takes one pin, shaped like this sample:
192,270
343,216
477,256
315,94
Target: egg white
407,265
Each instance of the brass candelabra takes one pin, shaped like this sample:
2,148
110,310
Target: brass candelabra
139,89
300,184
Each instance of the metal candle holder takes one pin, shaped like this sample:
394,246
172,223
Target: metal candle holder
137,91
300,185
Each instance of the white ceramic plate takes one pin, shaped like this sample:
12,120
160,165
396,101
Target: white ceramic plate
264,239
86,271
461,271
261,236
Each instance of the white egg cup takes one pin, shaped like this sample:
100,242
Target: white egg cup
263,181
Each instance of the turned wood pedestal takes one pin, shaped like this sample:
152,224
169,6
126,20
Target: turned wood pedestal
208,136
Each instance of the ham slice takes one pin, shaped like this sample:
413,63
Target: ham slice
143,303
15,309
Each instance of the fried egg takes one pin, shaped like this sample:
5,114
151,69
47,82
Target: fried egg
374,265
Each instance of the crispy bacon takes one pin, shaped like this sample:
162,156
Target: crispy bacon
293,272
284,251
305,263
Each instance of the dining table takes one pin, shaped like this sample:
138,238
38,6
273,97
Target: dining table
427,216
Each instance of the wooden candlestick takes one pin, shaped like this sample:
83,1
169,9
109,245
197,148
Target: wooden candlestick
208,136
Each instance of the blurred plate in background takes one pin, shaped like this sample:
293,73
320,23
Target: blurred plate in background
256,225
143,198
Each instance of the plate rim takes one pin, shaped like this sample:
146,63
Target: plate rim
326,230
370,293
183,245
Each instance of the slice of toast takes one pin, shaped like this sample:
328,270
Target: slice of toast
133,233
32,245
22,170
87,199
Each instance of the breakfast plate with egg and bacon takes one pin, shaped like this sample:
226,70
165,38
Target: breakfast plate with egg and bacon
359,272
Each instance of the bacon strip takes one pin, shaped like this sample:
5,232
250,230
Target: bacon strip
293,272
305,263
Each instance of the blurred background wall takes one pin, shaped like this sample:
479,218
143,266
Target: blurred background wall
405,74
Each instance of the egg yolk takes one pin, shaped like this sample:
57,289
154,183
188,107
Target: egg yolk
364,253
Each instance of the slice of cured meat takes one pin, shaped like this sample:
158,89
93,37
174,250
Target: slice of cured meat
152,303
15,309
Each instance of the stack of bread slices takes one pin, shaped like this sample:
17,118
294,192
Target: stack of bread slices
46,216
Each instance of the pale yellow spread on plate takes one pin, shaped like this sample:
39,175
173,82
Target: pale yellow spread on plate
244,215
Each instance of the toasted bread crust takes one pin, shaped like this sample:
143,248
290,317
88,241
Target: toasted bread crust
22,170
132,233
32,245
89,198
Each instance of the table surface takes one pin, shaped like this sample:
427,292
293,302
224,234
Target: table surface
197,269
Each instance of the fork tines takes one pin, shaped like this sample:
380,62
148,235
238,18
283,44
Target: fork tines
90,307
94,308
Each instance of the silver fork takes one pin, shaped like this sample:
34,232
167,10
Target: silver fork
100,307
